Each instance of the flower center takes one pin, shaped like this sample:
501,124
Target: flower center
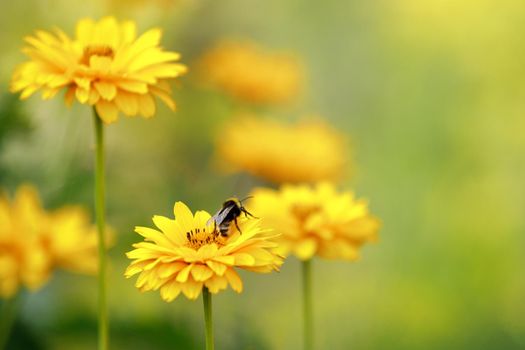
302,212
96,50
199,237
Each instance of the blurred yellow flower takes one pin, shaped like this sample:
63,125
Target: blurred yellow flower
250,73
315,220
71,240
105,66
33,242
188,253
308,151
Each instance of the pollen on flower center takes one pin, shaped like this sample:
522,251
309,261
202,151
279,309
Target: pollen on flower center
200,236
96,50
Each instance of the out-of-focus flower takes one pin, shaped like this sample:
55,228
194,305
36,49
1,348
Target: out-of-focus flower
250,73
315,220
307,151
33,242
105,66
188,254
23,258
71,240
141,4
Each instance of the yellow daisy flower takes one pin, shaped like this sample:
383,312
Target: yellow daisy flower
307,151
34,242
188,254
316,220
71,240
106,65
250,73
23,257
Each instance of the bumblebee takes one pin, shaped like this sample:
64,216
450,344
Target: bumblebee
231,209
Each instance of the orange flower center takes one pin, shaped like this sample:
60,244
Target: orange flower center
96,50
199,237
302,212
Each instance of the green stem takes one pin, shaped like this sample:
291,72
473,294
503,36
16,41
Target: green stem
208,318
308,331
9,313
100,213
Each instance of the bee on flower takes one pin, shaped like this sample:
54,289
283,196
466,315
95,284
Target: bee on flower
188,254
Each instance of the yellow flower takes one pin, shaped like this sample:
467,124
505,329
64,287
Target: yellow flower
23,258
249,73
187,254
316,220
105,66
304,152
71,240
33,242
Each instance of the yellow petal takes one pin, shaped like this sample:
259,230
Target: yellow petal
201,272
127,102
167,270
132,86
234,279
108,91
164,97
305,249
107,111
191,289
93,97
170,290
216,284
84,30
146,105
217,267
182,276
183,216
228,260
82,95
243,259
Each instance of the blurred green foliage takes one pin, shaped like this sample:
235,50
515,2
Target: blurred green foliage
431,94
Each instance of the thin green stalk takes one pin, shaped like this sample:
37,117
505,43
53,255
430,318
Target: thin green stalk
208,318
9,312
308,330
100,213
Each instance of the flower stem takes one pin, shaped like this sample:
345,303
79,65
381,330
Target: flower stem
9,312
308,331
100,213
208,318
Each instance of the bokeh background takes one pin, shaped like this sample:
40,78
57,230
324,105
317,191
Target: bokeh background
431,94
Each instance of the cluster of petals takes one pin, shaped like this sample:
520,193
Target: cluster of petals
34,242
250,73
280,152
187,253
316,220
106,66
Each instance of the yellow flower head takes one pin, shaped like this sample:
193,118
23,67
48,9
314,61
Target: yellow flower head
308,151
251,74
34,242
105,66
189,253
316,220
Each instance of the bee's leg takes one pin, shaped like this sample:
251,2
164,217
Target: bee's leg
247,213
237,225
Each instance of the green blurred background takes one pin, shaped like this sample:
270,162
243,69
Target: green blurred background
431,94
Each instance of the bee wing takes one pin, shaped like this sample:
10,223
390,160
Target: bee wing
220,215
